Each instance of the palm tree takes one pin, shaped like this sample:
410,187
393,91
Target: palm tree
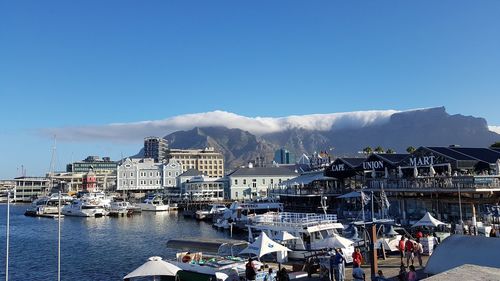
367,150
390,151
495,145
410,149
379,149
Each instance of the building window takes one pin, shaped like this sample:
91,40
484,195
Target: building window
150,182
235,181
272,181
131,182
263,181
244,181
279,181
169,174
236,194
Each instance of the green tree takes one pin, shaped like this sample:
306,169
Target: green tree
495,145
390,151
379,149
367,150
410,149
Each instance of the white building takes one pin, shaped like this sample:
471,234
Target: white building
203,188
250,182
145,174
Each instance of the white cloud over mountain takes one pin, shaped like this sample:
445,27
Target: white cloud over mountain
495,129
135,131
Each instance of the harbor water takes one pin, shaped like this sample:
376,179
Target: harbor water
91,248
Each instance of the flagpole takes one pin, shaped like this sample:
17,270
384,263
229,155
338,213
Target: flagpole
59,239
8,230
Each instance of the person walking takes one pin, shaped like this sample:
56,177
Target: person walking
412,274
269,276
340,263
358,274
418,250
409,252
401,247
435,240
357,257
250,273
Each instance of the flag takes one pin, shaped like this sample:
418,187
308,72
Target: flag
365,198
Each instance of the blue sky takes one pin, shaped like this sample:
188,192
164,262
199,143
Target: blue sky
84,63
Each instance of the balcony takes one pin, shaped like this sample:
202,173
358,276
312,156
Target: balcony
437,184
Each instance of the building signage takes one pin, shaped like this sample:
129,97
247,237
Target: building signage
422,161
373,165
338,168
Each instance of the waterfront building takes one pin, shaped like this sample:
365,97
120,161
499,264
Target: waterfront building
147,175
28,188
155,148
95,163
203,188
73,182
208,161
252,182
5,187
188,175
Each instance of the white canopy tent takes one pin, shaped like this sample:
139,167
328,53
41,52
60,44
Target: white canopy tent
155,266
263,245
428,220
331,242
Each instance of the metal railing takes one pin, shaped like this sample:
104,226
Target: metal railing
443,183
293,219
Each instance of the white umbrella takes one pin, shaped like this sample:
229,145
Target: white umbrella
432,172
449,168
284,236
415,171
155,266
263,245
386,173
498,167
335,241
428,220
374,173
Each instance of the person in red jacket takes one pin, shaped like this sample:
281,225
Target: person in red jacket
409,252
357,257
401,247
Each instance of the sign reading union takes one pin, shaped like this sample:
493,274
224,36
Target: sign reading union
422,161
373,165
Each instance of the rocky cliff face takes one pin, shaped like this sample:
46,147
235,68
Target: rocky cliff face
427,127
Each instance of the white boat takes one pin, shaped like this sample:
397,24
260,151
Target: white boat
210,212
83,208
311,232
47,205
99,197
119,209
154,204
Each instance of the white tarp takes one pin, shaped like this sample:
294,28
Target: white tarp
155,266
353,194
335,241
263,245
428,220
306,178
457,250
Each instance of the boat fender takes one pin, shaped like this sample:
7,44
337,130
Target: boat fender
186,259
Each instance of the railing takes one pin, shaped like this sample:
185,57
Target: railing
304,191
293,219
442,183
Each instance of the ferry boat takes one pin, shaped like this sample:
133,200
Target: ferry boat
310,231
210,212
154,204
83,208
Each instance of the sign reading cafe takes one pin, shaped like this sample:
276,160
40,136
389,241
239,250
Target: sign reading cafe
338,168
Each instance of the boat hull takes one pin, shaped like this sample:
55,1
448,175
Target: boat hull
153,208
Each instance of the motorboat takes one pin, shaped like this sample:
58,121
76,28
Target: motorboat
154,204
83,208
99,197
47,205
308,232
119,209
211,211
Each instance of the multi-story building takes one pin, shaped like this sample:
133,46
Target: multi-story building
155,147
202,188
147,175
95,163
283,156
73,182
29,188
250,182
208,161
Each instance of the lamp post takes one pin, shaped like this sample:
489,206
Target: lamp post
7,242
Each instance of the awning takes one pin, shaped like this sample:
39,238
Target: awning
307,178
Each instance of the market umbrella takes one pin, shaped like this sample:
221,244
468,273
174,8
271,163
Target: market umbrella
498,167
449,168
263,245
400,172
386,173
284,236
374,174
415,171
428,220
155,266
332,242
432,172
